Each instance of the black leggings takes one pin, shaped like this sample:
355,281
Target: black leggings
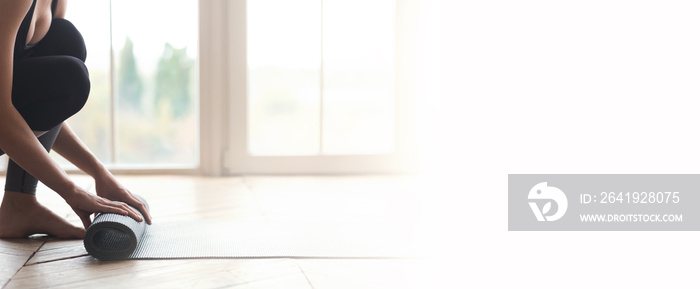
50,84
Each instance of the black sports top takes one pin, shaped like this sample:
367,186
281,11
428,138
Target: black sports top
21,47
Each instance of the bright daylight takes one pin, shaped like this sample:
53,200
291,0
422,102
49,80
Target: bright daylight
220,144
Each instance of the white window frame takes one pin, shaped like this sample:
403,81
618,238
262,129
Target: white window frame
223,101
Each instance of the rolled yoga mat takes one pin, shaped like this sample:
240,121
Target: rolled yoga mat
117,237
113,236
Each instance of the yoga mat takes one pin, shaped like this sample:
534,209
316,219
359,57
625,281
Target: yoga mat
116,237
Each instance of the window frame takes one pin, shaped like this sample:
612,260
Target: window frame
234,158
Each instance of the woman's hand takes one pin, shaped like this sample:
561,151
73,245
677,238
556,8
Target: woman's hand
69,146
85,204
108,187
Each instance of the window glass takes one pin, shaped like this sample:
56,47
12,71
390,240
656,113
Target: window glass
142,58
284,62
321,77
155,52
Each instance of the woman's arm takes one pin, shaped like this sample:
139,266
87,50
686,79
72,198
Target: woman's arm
19,142
60,9
69,146
16,138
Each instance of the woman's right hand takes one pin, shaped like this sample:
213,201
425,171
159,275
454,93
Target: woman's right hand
85,204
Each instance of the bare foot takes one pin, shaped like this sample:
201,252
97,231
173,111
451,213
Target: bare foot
21,215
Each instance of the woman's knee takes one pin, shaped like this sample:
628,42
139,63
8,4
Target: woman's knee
76,82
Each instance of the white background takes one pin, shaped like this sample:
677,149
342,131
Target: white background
564,87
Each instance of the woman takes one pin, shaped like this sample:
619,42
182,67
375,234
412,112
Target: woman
43,81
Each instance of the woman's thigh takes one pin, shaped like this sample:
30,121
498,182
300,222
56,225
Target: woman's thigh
48,90
61,39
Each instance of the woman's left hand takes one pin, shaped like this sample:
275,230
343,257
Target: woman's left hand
109,188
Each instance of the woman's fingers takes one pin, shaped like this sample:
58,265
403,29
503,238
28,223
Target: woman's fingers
121,208
138,204
132,212
84,204
85,218
135,211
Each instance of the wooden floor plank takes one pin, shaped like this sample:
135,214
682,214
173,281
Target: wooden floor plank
55,249
14,253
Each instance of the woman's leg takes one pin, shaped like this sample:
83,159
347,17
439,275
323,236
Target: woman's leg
19,180
21,214
46,91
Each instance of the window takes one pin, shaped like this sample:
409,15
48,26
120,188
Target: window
142,58
321,77
315,86
304,86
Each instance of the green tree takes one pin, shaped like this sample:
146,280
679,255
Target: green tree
129,84
174,80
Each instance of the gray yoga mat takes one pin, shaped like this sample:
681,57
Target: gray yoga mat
116,237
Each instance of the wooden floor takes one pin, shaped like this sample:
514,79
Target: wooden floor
43,262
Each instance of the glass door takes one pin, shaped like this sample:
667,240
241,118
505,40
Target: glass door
315,88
